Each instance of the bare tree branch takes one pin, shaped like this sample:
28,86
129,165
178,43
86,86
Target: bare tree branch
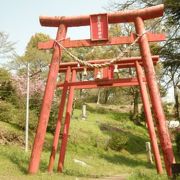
6,47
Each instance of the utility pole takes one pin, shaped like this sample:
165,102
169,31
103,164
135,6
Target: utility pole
27,111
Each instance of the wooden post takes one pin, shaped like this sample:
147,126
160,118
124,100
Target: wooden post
46,104
149,118
149,153
155,97
59,120
84,114
66,125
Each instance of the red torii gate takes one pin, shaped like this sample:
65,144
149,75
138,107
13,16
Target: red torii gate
99,37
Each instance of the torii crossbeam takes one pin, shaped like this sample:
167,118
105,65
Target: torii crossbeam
99,37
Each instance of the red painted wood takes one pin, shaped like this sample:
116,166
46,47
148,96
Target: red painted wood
59,120
155,97
66,125
111,72
46,105
136,16
104,83
99,27
149,118
67,43
117,17
117,84
153,37
122,63
106,73
80,69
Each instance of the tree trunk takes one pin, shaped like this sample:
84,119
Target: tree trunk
81,90
135,115
98,97
106,95
176,98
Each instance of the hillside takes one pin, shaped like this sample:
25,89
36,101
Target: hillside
107,142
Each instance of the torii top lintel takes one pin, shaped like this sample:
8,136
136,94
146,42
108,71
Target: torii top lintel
117,17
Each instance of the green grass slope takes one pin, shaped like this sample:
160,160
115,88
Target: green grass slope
107,142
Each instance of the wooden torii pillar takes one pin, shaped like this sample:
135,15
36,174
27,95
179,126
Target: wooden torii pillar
99,37
109,82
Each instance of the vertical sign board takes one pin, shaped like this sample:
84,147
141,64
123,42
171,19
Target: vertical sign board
105,73
99,27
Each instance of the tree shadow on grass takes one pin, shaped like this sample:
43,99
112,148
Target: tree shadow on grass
78,173
120,116
21,160
128,161
134,143
17,158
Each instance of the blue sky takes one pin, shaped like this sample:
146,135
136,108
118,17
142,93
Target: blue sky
20,18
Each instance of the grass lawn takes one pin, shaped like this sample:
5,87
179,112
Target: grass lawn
89,142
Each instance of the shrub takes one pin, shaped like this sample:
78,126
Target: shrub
177,139
53,117
168,109
21,119
8,113
78,103
97,109
118,141
145,175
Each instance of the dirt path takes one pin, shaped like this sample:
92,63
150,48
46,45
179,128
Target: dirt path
117,177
